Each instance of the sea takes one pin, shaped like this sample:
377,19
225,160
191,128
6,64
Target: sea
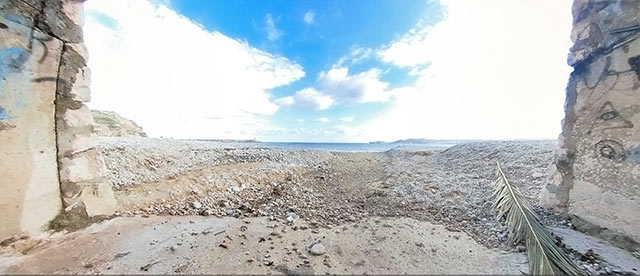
361,147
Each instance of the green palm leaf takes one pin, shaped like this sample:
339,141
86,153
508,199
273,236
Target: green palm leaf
545,258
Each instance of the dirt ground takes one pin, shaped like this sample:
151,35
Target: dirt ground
190,245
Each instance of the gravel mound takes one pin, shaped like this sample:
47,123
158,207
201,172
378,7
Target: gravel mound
525,163
131,160
456,184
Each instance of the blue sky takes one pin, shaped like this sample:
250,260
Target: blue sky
331,70
315,35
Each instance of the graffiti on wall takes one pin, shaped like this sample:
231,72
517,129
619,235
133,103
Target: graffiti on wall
608,117
11,61
610,150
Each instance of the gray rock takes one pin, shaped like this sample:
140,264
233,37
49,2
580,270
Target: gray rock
196,204
317,249
234,213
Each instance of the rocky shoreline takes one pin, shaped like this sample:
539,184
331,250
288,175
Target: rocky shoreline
450,187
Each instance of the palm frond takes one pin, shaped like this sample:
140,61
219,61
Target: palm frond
545,258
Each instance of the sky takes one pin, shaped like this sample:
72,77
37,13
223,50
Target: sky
332,71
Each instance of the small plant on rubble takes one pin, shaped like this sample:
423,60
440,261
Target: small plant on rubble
523,224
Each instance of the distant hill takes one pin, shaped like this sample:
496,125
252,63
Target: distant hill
109,123
412,141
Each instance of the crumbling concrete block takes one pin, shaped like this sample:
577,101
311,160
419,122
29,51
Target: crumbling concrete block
81,167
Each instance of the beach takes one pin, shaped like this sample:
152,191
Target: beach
193,206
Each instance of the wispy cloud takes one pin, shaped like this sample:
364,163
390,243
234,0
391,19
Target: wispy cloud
272,31
309,17
346,119
356,55
323,120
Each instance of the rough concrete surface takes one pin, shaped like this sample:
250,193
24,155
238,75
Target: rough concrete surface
47,150
587,245
189,245
29,181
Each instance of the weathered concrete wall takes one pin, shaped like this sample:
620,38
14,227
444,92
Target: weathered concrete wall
29,178
48,158
597,167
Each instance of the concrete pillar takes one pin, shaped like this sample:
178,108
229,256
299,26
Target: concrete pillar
48,159
596,172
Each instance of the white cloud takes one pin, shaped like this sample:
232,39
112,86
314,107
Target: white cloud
338,87
359,88
272,32
491,69
177,79
300,121
346,119
309,17
306,98
323,120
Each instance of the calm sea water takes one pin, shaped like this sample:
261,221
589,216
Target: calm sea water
362,147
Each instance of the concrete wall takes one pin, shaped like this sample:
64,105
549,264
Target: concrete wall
29,181
596,175
48,159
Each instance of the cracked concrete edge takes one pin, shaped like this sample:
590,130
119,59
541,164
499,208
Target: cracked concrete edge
555,196
85,192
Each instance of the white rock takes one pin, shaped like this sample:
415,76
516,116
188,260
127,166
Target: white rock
317,249
292,217
84,166
78,118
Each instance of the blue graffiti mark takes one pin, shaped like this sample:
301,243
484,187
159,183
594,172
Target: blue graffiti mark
4,115
11,60
20,103
20,20
633,153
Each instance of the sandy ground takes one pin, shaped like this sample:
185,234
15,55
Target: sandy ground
189,245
